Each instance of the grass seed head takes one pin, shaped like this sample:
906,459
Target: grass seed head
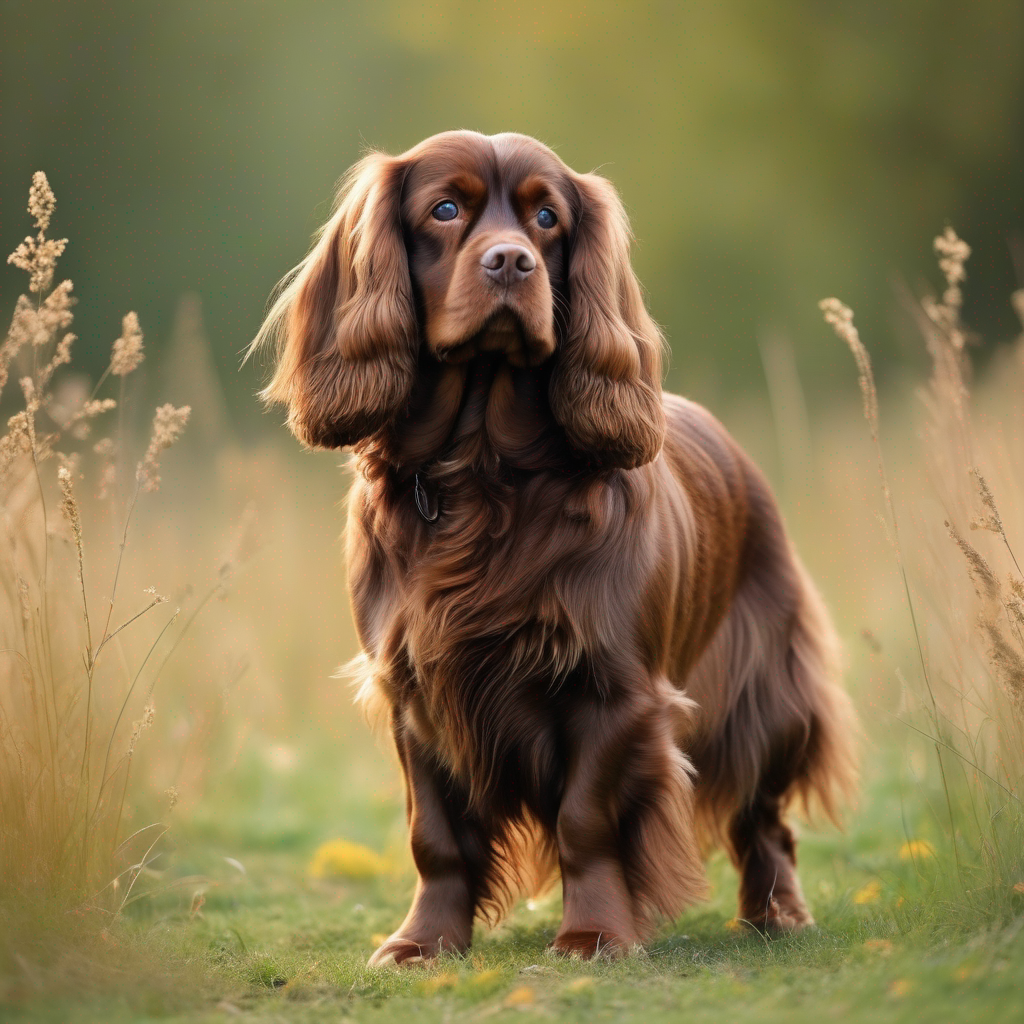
38,258
953,253
168,425
980,571
68,505
840,318
1006,660
148,713
14,443
41,200
127,352
990,519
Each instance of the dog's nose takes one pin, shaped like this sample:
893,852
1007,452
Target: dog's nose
508,263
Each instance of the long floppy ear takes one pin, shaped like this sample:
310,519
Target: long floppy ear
345,325
606,384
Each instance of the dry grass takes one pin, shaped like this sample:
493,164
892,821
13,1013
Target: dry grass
963,597
119,706
75,696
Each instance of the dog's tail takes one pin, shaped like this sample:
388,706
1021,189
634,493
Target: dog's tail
826,775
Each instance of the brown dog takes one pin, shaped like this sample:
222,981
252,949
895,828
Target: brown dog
597,650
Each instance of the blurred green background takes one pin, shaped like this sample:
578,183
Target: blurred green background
769,153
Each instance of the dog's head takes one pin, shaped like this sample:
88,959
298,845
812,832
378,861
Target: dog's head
470,243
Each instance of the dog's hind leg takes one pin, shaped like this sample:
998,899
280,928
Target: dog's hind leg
808,734
776,727
764,851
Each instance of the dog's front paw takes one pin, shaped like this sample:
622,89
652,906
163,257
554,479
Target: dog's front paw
589,945
399,951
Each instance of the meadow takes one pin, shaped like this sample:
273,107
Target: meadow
197,824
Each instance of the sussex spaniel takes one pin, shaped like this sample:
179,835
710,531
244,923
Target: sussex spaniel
597,650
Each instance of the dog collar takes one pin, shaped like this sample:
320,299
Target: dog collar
426,502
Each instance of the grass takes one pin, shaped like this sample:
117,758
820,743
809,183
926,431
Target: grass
275,943
285,851
65,760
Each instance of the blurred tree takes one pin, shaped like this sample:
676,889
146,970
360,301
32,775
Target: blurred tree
769,153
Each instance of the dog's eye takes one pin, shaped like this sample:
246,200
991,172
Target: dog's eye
546,218
445,211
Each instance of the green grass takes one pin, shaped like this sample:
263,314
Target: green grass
272,944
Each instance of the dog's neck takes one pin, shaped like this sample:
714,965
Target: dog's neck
481,413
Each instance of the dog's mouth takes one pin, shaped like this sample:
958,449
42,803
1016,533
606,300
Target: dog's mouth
504,332
503,329
507,332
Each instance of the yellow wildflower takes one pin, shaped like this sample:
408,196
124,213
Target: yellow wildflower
917,849
485,979
521,996
870,893
339,858
447,979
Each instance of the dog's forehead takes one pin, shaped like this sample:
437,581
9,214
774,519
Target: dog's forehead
508,158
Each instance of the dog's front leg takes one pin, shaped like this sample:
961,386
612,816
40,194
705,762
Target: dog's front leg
450,852
597,906
626,840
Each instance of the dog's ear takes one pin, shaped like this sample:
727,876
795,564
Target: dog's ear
606,384
345,324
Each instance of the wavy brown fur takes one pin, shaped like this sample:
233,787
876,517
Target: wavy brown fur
604,654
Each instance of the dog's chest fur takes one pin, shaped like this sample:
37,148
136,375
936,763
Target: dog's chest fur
482,626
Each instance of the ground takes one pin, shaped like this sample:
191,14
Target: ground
246,933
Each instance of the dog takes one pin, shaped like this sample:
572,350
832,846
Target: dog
593,644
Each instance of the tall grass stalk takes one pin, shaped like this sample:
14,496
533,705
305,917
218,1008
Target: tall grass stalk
966,607
65,758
